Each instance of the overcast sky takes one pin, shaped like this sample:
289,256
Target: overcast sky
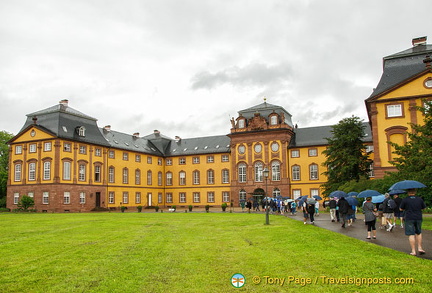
186,67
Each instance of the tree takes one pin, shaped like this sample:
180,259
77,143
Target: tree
346,157
4,161
25,202
414,158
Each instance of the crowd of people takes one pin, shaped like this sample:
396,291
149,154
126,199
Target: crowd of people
407,211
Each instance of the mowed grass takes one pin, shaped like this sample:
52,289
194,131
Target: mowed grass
191,252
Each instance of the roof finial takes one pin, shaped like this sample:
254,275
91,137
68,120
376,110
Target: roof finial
265,99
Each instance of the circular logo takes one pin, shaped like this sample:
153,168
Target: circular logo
238,280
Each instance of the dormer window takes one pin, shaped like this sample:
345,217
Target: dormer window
241,123
274,120
80,130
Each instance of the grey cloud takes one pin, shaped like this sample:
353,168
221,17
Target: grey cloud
255,74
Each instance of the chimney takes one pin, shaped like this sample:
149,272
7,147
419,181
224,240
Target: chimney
34,120
177,138
107,128
64,102
136,135
156,132
427,61
419,41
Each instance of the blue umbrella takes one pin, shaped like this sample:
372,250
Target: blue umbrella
352,193
338,194
367,193
378,199
407,184
396,191
352,201
317,197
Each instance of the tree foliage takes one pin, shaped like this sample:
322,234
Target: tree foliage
414,158
346,157
4,161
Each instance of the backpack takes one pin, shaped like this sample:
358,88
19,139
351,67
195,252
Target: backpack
311,208
391,204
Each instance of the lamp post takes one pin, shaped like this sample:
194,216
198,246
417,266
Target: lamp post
266,175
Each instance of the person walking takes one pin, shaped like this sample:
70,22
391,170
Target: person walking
293,208
311,212
370,218
413,206
332,206
317,208
388,206
398,214
343,210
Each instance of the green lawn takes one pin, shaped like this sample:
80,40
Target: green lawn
191,252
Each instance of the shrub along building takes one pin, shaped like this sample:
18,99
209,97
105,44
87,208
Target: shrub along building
66,162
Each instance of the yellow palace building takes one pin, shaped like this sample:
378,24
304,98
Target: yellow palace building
67,163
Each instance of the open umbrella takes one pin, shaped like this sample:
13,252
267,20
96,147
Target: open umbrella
317,197
368,192
352,193
378,199
352,201
311,200
338,194
396,191
407,184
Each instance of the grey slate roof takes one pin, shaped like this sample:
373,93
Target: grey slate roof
265,109
199,145
400,67
63,121
129,142
316,136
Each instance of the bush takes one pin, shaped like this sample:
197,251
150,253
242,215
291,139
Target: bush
207,208
3,210
25,202
139,208
224,206
156,208
3,202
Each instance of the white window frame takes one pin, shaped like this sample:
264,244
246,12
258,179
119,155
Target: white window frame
211,196
225,196
295,153
125,197
18,149
182,197
258,170
66,197
47,146
111,197
242,172
295,173
82,198
196,197
394,110
47,171
225,176
45,197
16,197
210,176
82,172
17,172
32,148
276,174
32,171
313,172
66,170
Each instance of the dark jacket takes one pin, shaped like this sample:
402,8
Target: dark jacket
332,204
343,205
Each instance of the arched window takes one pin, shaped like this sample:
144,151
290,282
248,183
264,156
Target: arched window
258,167
242,195
295,172
313,172
182,178
242,172
210,176
137,176
275,167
